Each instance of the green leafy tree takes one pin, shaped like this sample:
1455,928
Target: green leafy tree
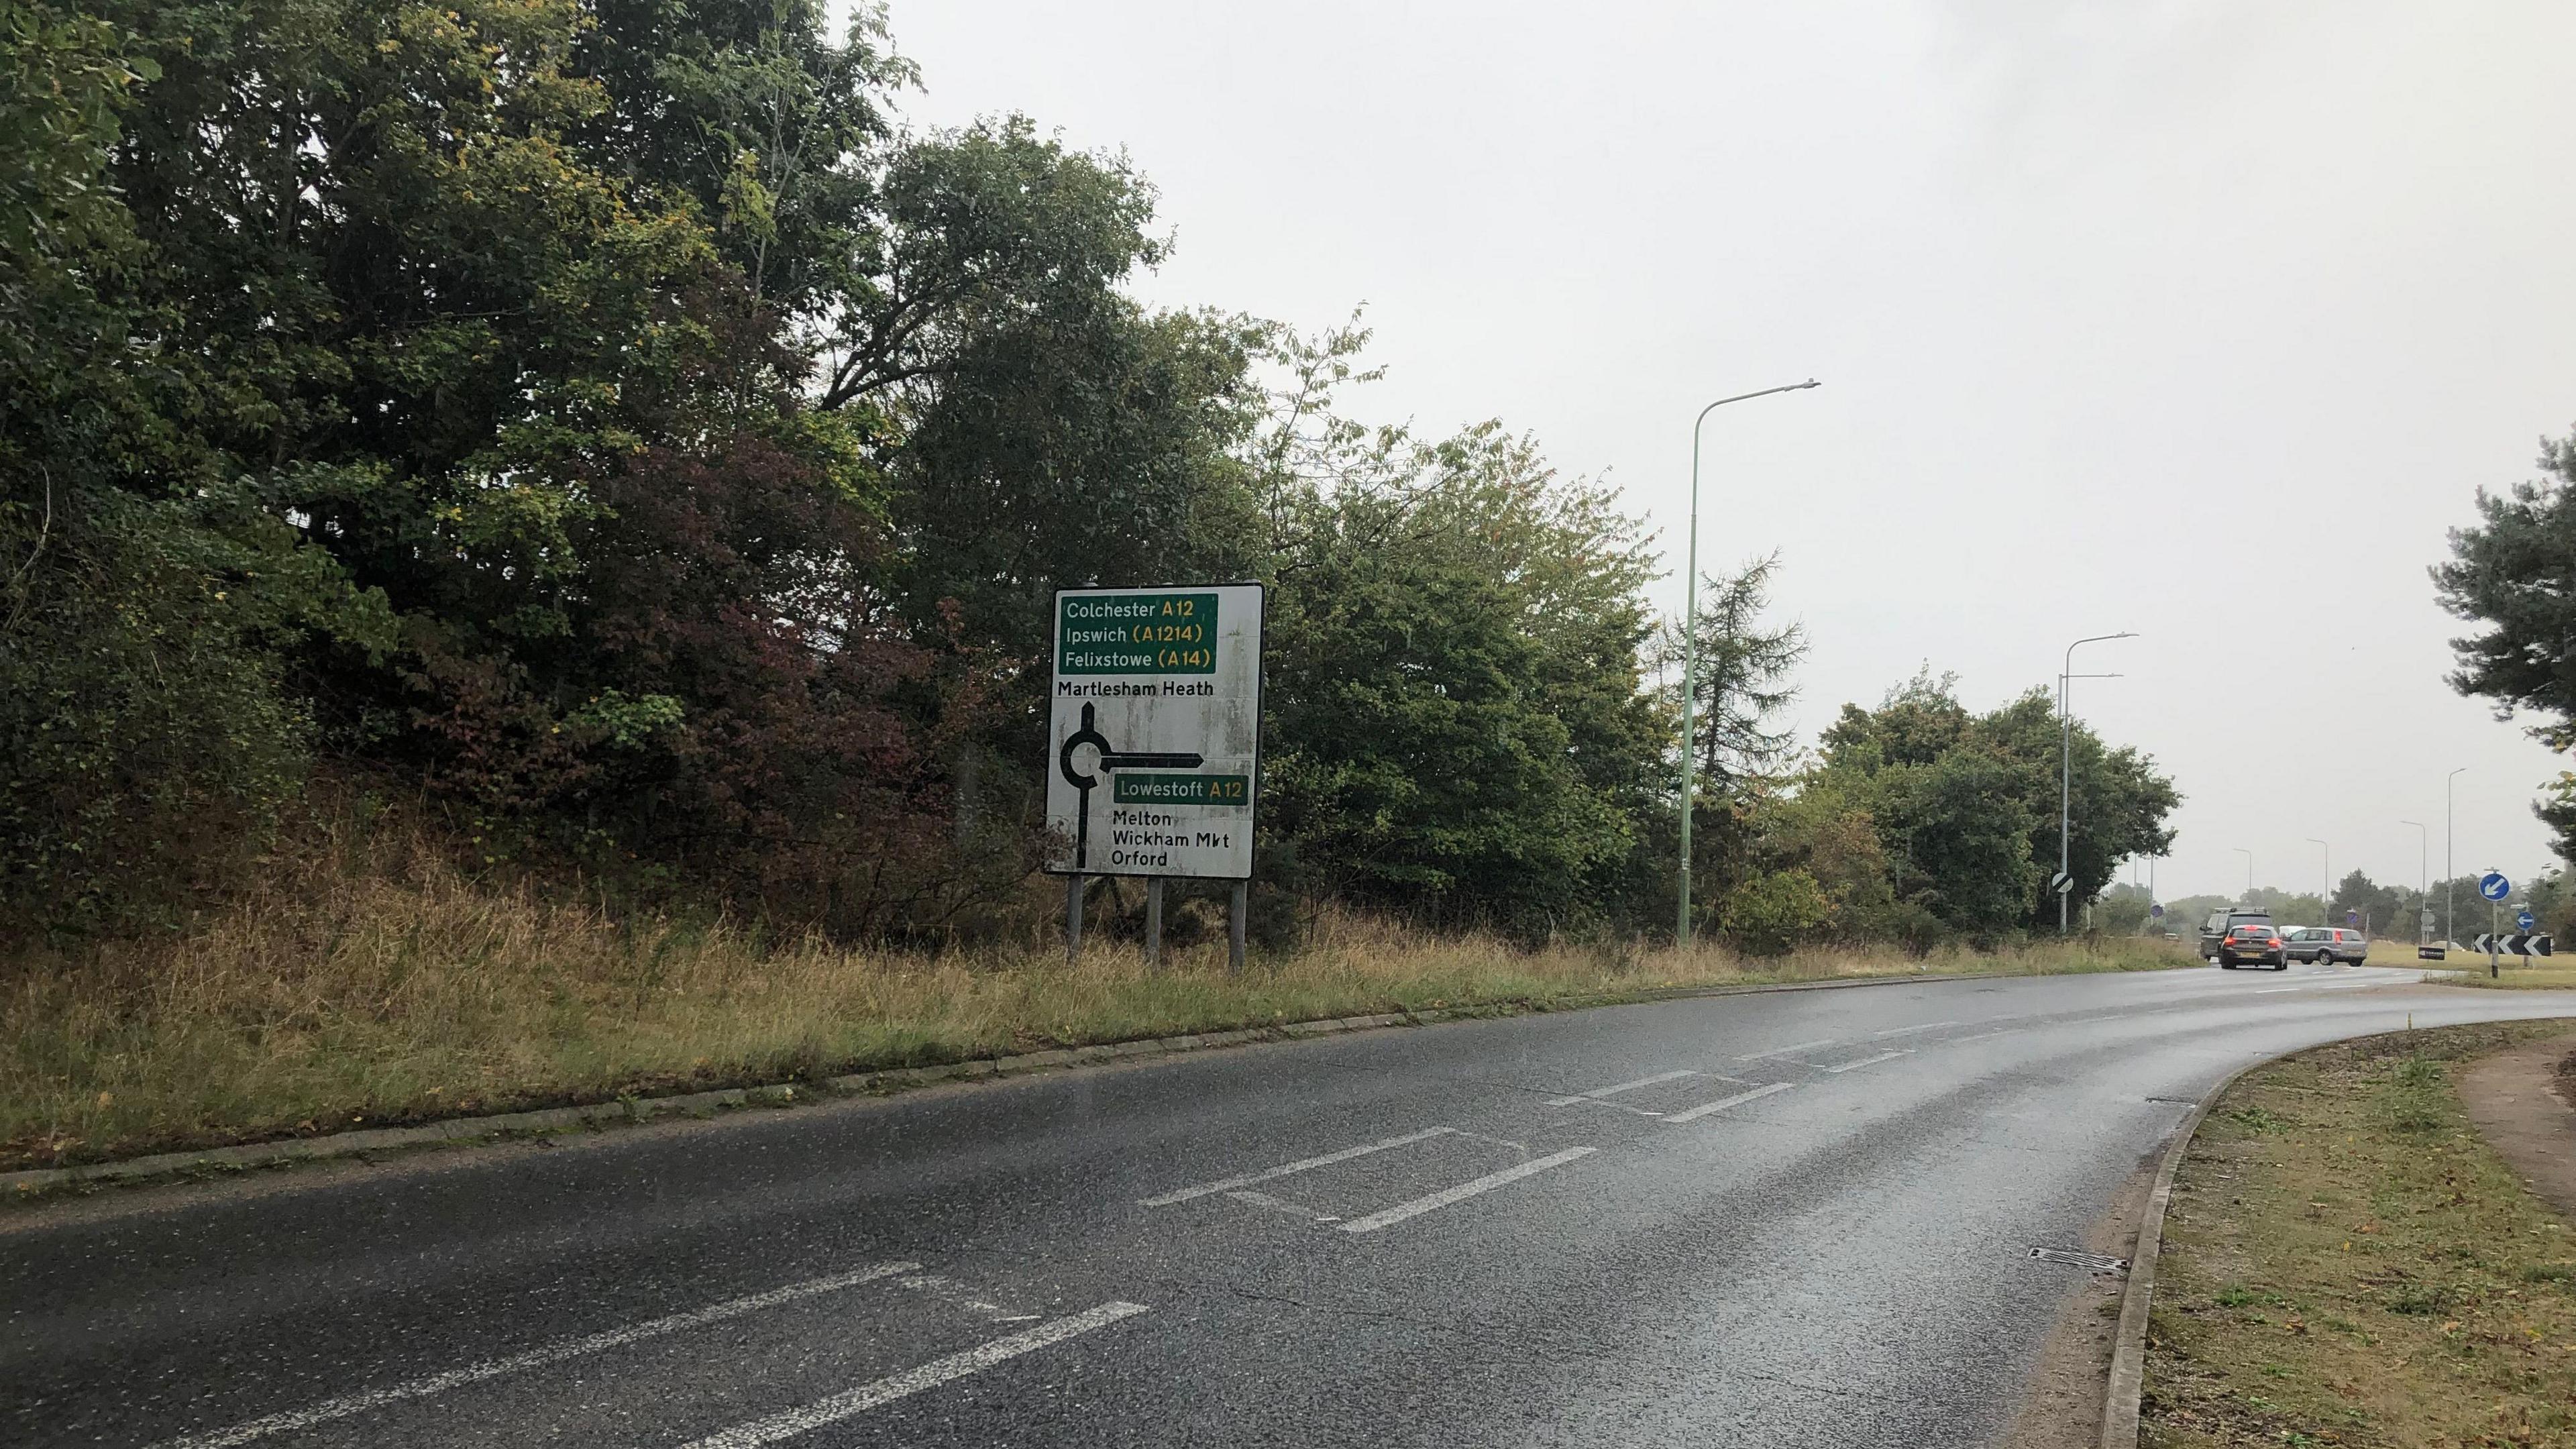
1457,726
2514,572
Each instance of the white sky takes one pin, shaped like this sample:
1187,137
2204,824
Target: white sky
2191,317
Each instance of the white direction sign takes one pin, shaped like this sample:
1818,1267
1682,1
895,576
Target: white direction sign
1154,734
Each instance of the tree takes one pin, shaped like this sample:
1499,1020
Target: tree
2515,573
1456,724
1939,781
144,738
1742,675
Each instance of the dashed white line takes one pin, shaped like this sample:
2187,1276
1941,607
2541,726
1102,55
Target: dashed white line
1722,1103
2275,990
1228,1184
1597,1095
1784,1051
1420,1205
1909,1030
1868,1061
553,1353
912,1381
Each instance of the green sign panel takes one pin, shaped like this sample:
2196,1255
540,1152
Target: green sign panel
1130,787
1136,634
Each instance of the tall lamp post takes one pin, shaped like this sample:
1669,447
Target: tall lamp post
2423,880
2249,871
1690,643
2066,768
2450,837
2327,899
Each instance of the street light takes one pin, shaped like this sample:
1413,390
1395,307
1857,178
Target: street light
2066,771
2327,899
2423,880
2450,835
2249,871
1690,642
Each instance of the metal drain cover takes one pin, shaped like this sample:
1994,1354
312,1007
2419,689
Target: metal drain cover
2089,1262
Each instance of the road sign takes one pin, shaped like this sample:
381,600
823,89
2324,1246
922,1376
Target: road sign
2157,910
2352,918
2061,883
2494,886
1154,735
2426,927
2525,919
2483,941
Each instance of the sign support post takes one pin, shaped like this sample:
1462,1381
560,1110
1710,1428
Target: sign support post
1236,911
1072,919
1153,922
2494,887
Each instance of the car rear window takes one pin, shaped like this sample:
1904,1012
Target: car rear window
2253,930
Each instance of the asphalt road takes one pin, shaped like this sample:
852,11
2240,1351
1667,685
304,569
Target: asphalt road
1786,1219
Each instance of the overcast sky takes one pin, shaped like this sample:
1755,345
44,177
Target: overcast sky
2191,317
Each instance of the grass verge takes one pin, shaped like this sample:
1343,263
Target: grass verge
2347,1262
391,991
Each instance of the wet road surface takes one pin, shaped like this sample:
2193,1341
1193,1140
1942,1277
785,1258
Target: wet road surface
1783,1219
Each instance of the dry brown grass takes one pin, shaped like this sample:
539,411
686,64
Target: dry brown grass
2348,1262
378,985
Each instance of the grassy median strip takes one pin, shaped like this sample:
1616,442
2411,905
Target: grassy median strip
2347,1262
385,999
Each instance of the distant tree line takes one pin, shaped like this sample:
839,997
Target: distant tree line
608,422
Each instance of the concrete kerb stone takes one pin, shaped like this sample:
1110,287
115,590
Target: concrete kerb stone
631,1110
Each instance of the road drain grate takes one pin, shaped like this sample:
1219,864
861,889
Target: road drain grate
2089,1262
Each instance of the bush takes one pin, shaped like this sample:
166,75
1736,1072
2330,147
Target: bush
1773,912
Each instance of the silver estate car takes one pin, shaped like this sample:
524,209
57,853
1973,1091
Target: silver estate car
2326,945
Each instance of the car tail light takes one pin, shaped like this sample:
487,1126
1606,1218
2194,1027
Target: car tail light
2275,941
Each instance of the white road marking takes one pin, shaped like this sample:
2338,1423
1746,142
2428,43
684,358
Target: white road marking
1865,1061
931,1375
2275,990
1282,1205
1420,1205
1595,1096
1722,1103
1228,1184
553,1353
1909,1030
1784,1051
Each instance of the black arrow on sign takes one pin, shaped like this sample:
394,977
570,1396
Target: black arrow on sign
1110,759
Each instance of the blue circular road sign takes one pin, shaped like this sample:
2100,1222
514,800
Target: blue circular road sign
2494,886
2525,920
2157,909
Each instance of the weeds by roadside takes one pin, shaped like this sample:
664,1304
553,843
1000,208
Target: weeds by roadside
2347,1262
389,991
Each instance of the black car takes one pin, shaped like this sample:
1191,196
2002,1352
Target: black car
2215,929
2257,944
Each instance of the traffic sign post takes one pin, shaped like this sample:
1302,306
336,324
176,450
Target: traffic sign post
2495,888
1154,742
